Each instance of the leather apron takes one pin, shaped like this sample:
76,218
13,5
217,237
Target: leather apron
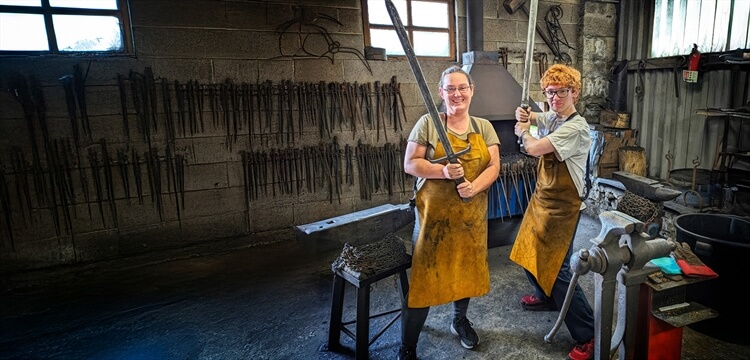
449,260
548,224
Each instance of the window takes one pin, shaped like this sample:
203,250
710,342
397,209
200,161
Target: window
64,27
429,24
714,25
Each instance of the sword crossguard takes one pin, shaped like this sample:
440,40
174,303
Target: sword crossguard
453,159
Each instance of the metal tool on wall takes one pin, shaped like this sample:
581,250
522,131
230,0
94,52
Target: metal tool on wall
109,182
80,89
305,31
94,165
176,179
556,36
7,210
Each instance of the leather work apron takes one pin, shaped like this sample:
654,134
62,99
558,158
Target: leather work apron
449,260
548,224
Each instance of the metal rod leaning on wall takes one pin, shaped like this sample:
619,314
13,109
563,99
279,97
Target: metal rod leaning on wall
21,181
122,88
149,92
172,179
200,103
282,119
289,92
137,176
6,208
109,182
247,110
169,127
135,86
234,97
67,173
192,116
94,164
70,103
246,178
58,182
80,89
122,163
398,101
224,104
298,172
179,94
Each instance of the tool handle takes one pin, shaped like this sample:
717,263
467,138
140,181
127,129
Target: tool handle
459,180
525,107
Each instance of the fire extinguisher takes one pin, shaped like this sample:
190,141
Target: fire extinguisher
695,58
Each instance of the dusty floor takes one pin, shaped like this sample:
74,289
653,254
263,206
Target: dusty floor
265,302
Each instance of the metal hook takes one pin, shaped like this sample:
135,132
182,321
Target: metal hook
669,157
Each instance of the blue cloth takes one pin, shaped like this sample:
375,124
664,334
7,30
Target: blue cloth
667,265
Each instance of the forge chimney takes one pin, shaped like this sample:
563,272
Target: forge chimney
497,93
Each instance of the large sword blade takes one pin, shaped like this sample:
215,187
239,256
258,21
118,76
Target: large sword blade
529,60
529,54
422,83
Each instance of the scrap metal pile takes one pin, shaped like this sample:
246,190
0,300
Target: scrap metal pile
367,260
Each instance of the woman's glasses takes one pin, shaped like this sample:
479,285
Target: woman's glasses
561,93
452,90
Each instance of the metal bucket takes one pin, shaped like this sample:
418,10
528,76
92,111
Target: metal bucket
722,242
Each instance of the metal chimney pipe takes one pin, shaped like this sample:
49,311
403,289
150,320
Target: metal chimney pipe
474,25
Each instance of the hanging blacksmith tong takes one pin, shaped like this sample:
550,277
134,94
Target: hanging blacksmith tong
431,108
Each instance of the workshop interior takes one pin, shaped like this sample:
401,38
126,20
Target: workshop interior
146,133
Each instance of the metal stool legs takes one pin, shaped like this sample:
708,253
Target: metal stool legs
361,335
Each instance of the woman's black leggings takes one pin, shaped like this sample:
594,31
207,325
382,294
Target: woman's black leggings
413,319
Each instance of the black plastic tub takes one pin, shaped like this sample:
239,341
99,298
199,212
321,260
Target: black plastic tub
722,242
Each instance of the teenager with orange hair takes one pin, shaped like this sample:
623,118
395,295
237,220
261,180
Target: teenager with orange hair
545,239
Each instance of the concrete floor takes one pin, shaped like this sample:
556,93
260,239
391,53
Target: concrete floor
264,302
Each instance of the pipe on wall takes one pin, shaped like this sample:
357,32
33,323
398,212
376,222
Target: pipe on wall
474,25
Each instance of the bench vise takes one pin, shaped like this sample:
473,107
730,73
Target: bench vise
617,258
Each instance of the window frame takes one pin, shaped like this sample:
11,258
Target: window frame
410,29
122,13
664,20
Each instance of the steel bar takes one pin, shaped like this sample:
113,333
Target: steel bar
529,58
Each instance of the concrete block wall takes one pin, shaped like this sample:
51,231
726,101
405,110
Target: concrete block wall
598,41
508,31
208,42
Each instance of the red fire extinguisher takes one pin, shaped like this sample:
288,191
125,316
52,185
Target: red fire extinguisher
695,58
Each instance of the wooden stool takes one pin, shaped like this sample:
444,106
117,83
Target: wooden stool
361,335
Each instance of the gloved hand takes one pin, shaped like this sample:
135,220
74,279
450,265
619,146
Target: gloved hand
690,264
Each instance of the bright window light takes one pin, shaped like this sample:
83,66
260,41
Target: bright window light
25,32
79,26
87,33
429,25
714,25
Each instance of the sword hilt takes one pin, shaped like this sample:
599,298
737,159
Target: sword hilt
525,107
453,159
461,179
